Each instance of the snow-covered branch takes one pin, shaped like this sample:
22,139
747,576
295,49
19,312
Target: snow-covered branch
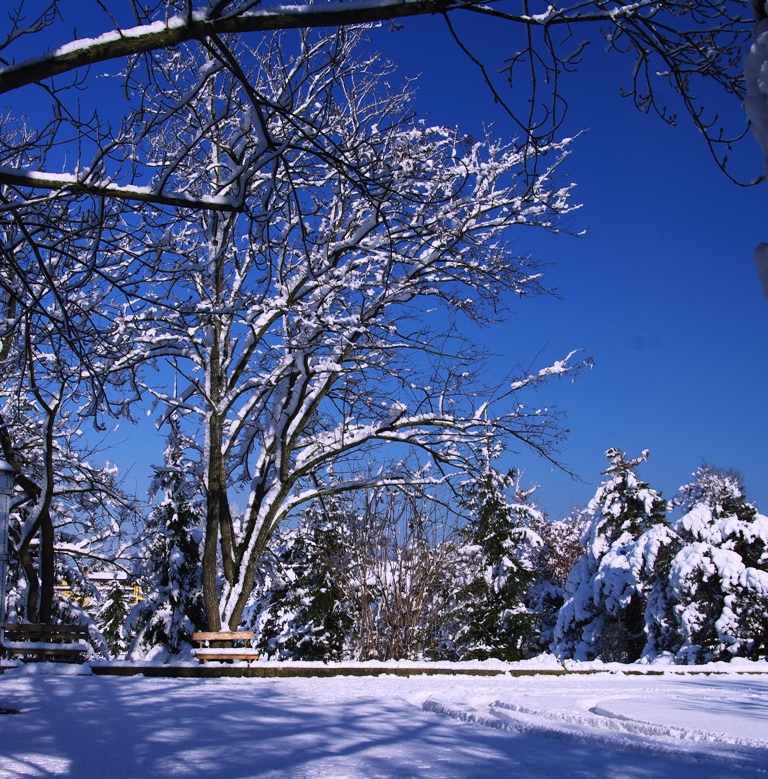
74,185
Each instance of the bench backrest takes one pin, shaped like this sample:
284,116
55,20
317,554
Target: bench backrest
224,635
38,632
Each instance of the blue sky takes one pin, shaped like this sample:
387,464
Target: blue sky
662,291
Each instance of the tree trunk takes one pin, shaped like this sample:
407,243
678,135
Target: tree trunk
30,574
35,493
218,517
218,525
47,568
212,524
250,571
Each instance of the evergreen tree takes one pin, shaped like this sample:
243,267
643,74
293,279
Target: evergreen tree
552,563
79,603
305,614
607,590
111,618
718,580
491,616
172,607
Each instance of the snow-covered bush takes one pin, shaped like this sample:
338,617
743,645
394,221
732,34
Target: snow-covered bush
302,613
362,578
171,576
490,614
402,566
718,580
609,588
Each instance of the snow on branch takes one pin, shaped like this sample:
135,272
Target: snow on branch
62,182
200,25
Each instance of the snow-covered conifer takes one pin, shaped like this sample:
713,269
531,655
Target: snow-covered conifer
718,580
497,569
552,563
305,615
607,590
172,606
111,618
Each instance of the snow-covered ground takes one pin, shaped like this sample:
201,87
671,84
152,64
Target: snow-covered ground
603,725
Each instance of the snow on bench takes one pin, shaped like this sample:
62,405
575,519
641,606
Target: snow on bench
42,642
221,647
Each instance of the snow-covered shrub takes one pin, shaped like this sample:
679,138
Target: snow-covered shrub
496,568
402,566
362,578
552,563
718,580
604,615
171,575
67,614
302,612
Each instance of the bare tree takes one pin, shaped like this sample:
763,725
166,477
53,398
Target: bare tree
69,510
82,153
296,331
83,160
56,346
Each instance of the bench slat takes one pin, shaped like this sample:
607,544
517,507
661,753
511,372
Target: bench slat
22,631
54,650
224,635
35,646
225,655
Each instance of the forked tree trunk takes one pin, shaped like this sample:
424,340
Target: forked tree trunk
218,528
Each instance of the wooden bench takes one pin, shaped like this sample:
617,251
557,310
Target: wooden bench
44,642
221,646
